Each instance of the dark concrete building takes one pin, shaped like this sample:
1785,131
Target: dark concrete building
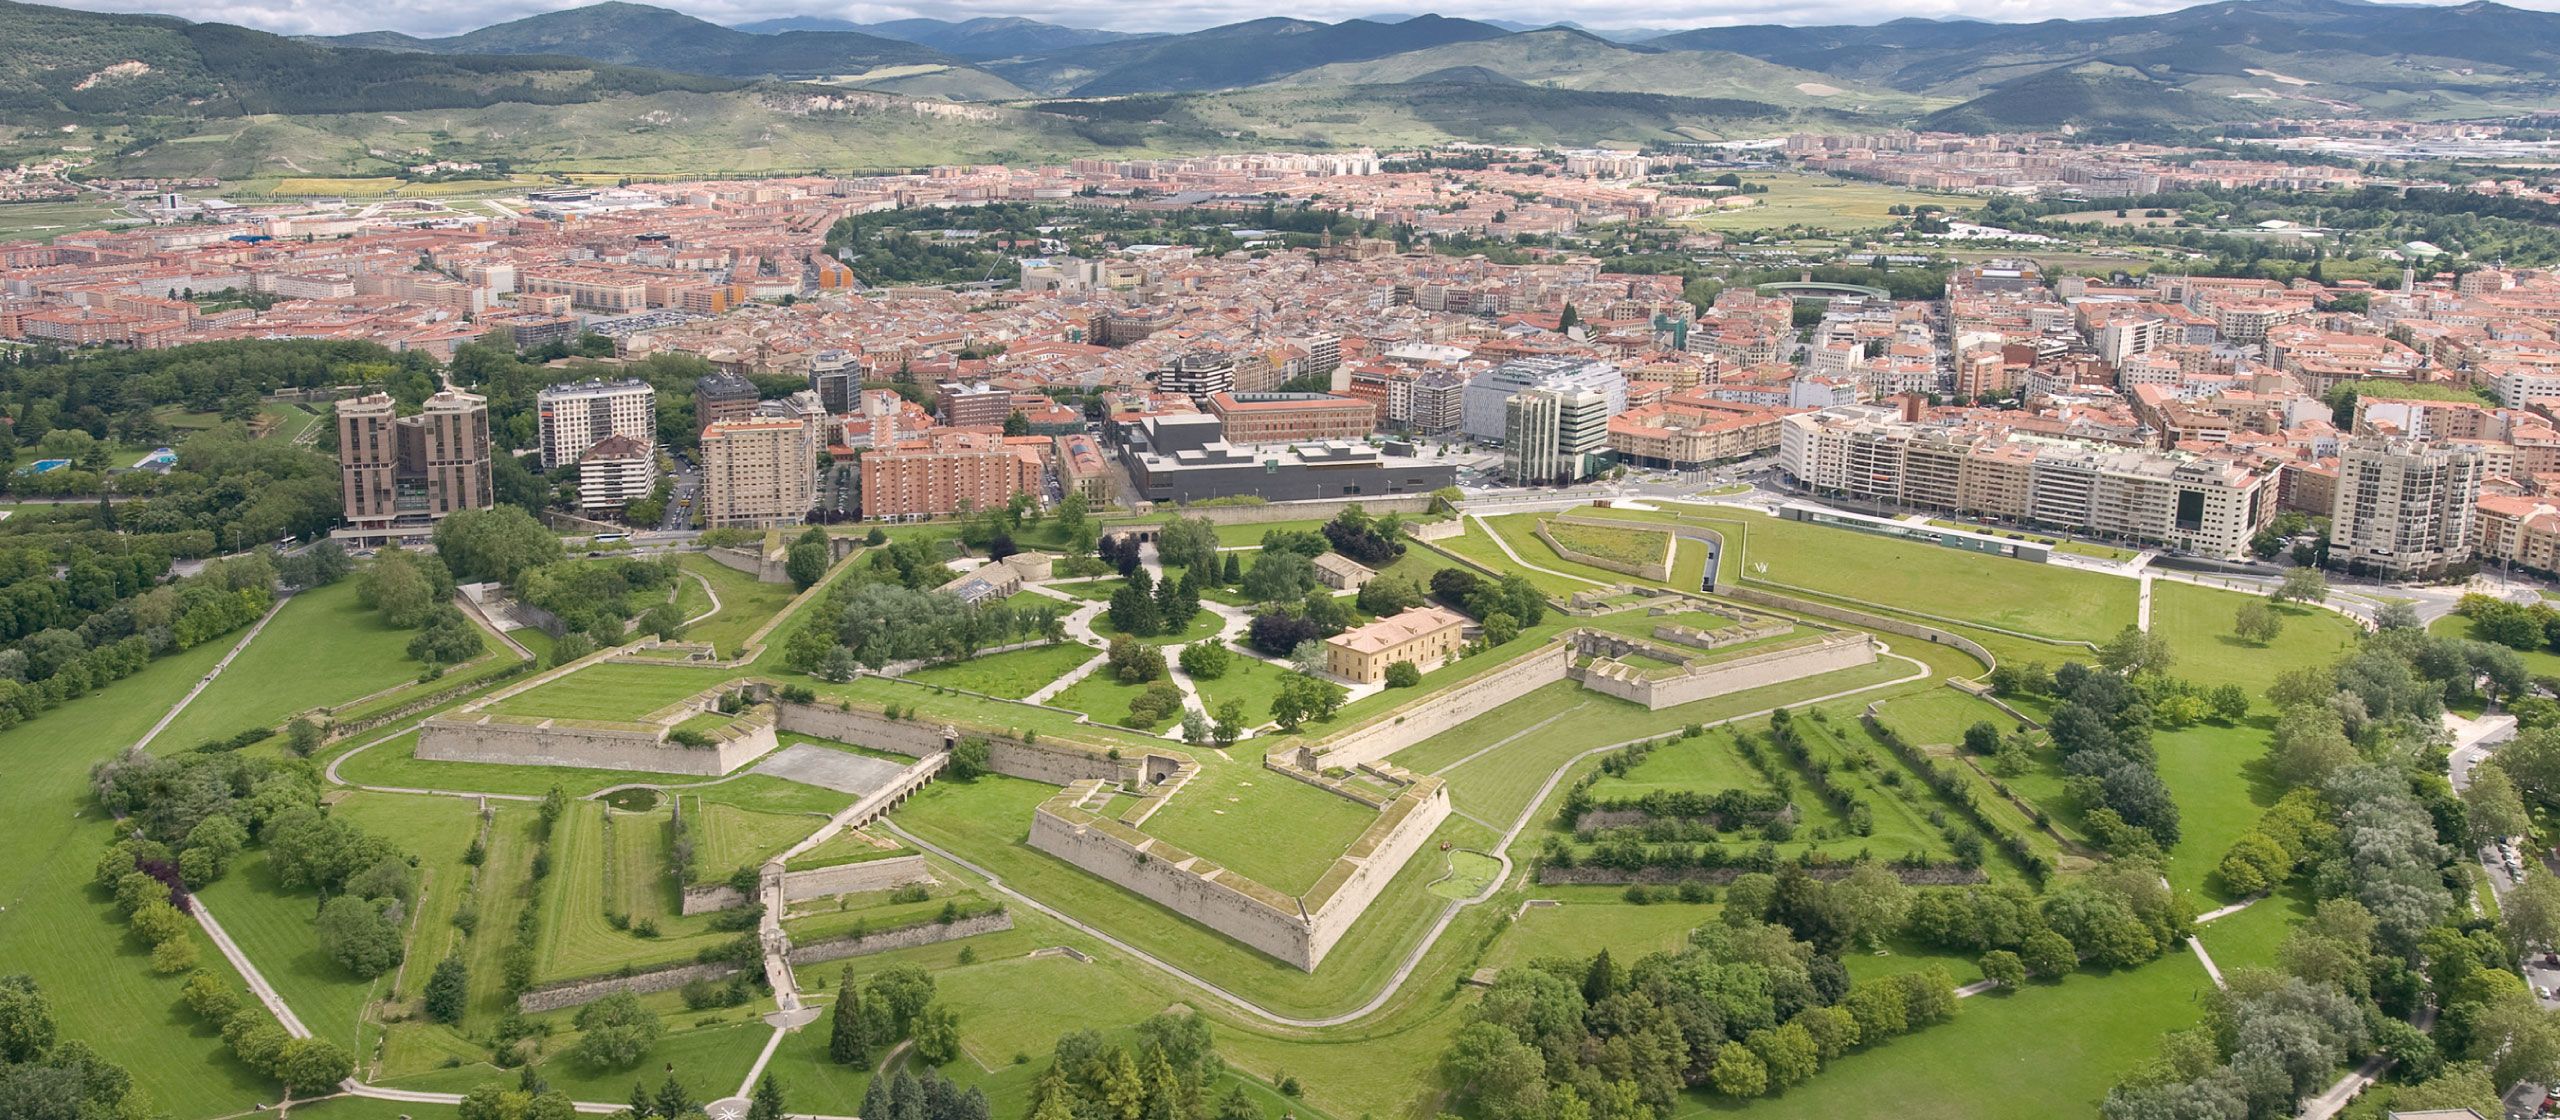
1186,458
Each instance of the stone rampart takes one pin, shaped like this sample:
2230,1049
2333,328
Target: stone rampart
1261,918
1435,530
752,562
1363,872
1657,572
1051,762
1659,689
904,937
553,997
1861,619
517,742
854,878
1436,712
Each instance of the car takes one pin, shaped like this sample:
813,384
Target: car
2543,991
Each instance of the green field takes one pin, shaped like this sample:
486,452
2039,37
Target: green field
2045,600
612,691
745,604
1279,832
1821,202
1012,675
44,221
1624,546
322,649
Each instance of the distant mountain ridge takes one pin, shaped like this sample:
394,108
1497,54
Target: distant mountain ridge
629,34
976,39
61,64
1237,54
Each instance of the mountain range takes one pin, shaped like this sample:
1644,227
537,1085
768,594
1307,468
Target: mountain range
1392,79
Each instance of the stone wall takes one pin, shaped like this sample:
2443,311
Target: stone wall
1436,712
1302,511
1052,763
1659,690
1862,620
1374,860
751,561
905,937
1246,911
854,878
1659,573
553,997
484,738
1435,530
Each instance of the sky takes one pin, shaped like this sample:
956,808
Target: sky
452,17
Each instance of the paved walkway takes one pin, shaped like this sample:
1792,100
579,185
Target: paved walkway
171,716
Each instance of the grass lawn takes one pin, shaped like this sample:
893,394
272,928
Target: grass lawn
1594,918
57,927
2197,623
1708,762
2044,1051
726,837
1012,675
745,604
1821,202
576,939
2221,787
612,690
1477,544
1939,717
1625,546
321,649
2249,938
1249,680
1282,833
273,924
44,221
2041,599
1102,696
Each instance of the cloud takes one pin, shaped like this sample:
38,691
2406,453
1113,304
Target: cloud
453,17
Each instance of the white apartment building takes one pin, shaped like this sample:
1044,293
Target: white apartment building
577,416
2200,504
2405,507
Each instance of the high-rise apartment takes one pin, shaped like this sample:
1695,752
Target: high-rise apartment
399,474
577,415
758,471
2404,507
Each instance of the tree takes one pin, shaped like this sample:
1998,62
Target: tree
1403,674
302,736
1739,1072
2048,955
1982,738
2303,585
2257,623
2004,968
26,1019
1788,1052
937,1034
849,1038
968,759
499,544
448,990
1206,660
1491,1066
2530,914
1230,726
2398,616
903,991
312,1067
767,1103
1187,542
615,1032
806,561
1278,577
446,638
361,934
2133,652
2496,809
